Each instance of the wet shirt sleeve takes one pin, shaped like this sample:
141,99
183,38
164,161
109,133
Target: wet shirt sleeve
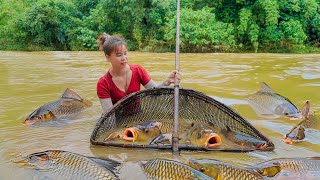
103,92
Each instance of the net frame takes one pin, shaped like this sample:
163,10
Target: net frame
157,104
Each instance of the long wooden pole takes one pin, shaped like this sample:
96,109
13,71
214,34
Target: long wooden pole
175,135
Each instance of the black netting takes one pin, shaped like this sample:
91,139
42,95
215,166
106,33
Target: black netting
157,104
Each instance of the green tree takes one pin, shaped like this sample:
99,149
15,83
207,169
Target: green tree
200,32
293,32
46,23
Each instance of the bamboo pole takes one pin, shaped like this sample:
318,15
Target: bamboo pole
175,135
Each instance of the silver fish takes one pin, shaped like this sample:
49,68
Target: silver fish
266,103
70,104
67,165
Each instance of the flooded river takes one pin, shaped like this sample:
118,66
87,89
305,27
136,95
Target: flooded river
30,79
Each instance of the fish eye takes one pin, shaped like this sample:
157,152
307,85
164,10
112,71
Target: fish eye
45,157
202,169
286,113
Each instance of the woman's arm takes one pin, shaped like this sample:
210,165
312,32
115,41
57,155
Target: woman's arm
106,104
167,82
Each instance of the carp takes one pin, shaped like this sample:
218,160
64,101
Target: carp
67,165
302,165
169,169
144,132
242,140
198,135
139,133
222,171
70,104
204,136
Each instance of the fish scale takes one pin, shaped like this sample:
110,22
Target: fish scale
295,165
299,164
223,171
73,163
168,169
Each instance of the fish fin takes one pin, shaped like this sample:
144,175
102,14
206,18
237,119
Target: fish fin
107,163
305,109
113,136
67,103
265,88
69,94
272,170
297,126
162,139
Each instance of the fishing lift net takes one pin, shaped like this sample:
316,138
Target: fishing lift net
157,104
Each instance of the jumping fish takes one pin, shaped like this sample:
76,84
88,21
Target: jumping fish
169,169
266,103
222,171
70,104
67,165
297,133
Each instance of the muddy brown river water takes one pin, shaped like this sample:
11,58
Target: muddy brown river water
30,79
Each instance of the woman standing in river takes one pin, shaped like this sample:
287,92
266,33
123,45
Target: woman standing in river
122,78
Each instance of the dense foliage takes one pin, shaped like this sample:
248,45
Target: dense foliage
150,25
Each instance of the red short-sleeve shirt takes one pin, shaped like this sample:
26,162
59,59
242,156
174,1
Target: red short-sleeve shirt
107,89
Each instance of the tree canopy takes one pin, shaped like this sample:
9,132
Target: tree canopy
150,25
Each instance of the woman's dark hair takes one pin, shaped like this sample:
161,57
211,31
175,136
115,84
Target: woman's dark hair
109,43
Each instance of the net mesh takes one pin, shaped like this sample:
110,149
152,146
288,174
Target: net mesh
157,104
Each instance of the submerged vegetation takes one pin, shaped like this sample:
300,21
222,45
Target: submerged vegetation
150,25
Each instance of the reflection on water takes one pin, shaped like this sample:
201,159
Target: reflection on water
31,79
